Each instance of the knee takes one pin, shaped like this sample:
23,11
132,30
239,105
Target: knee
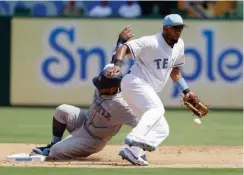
62,108
160,109
157,110
61,113
166,130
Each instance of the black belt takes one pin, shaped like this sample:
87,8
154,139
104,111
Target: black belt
129,72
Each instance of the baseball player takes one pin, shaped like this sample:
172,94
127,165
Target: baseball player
157,57
91,131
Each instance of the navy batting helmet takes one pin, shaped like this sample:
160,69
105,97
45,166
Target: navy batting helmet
104,82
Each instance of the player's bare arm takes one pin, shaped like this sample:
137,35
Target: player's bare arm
190,99
120,54
176,76
125,35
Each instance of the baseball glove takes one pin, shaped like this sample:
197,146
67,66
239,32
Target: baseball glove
196,106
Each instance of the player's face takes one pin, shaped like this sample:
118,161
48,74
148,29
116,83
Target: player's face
109,91
173,33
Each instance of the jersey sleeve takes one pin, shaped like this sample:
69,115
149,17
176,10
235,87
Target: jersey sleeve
181,58
136,46
132,120
124,114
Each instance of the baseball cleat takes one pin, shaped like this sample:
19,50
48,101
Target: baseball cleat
144,146
144,157
43,150
126,154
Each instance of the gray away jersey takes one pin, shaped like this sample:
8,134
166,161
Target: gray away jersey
103,120
107,114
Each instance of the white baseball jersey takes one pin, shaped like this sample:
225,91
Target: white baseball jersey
155,59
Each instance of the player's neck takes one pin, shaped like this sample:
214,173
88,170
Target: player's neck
167,40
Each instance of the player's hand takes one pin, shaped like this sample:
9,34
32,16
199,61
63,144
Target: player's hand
113,71
190,95
126,34
195,104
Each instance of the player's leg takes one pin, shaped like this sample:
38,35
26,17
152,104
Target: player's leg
65,117
68,148
79,144
69,116
149,134
152,128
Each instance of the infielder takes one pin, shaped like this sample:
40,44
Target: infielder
158,57
91,131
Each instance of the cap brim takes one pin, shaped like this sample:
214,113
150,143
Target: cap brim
185,26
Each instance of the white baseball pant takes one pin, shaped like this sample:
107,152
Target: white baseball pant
145,104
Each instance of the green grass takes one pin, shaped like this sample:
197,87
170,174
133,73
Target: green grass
31,125
116,171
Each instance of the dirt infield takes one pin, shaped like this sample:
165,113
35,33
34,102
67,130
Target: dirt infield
166,156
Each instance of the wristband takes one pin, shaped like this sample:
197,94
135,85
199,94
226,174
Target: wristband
120,42
118,63
182,85
186,91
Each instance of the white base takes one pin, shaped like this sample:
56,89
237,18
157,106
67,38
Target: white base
26,157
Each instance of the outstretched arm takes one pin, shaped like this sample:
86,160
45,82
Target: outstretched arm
176,76
134,48
118,61
190,99
124,36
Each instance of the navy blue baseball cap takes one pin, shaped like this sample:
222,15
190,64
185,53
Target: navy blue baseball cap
103,82
173,20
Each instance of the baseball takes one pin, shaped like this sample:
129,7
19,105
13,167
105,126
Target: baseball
197,121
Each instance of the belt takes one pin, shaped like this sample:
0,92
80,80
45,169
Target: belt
129,72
